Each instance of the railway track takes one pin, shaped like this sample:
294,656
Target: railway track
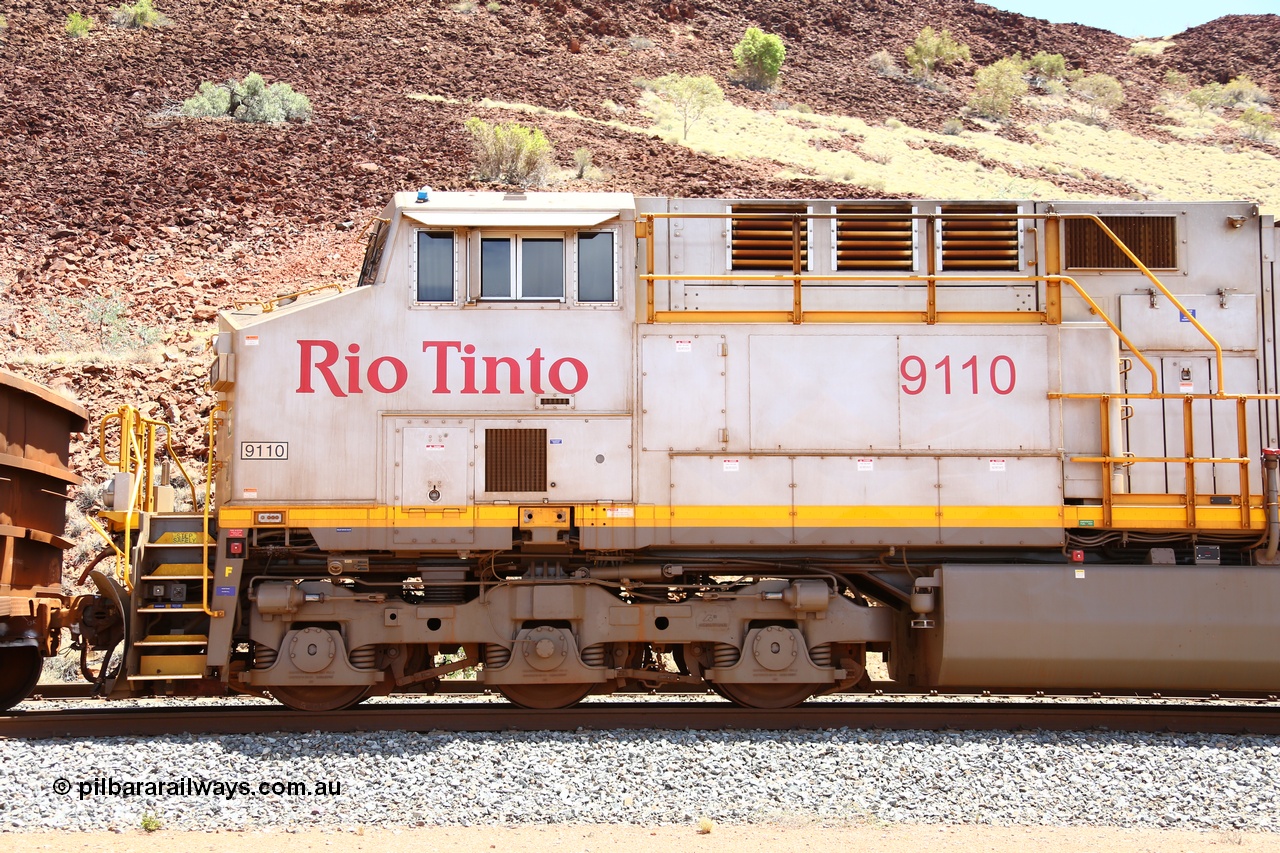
1192,717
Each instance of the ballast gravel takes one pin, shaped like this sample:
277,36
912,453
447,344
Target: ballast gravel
641,777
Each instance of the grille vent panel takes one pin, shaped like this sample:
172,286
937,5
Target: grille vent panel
886,243
1154,239
980,244
766,243
515,460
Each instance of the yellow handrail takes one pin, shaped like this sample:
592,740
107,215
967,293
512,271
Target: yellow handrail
268,305
137,457
221,406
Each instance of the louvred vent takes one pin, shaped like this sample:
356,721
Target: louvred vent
766,243
884,241
980,244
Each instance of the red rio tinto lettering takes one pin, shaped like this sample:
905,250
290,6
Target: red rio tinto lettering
479,374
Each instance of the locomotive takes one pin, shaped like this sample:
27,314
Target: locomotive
576,441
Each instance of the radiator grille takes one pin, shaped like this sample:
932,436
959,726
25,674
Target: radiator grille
980,244
1154,239
515,460
875,244
766,243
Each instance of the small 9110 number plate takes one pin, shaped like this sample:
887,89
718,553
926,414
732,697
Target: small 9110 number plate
264,450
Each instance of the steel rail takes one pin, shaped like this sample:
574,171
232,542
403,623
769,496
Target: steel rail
890,715
880,691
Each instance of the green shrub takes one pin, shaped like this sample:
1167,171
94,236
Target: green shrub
932,50
882,63
997,87
510,153
1149,48
1100,92
140,16
759,58
1176,81
210,101
1242,90
248,100
1258,125
691,96
150,823
582,162
1047,66
78,25
952,126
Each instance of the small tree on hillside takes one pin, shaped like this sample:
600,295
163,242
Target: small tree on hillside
1100,92
691,96
1206,96
932,50
1047,71
759,58
998,86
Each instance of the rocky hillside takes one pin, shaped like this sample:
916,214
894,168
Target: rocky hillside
123,226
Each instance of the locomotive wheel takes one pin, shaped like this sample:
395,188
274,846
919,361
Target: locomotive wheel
767,696
19,671
320,698
545,697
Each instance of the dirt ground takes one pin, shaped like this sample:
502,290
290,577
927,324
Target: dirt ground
864,838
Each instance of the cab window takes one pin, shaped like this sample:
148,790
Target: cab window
435,262
520,267
596,267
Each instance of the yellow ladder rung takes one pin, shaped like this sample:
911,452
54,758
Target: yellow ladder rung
171,665
173,640
184,537
188,571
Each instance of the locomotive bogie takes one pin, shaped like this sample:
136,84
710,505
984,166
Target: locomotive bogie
543,631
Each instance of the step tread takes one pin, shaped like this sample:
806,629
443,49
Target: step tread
182,537
175,571
172,640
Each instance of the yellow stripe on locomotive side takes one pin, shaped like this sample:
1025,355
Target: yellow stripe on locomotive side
493,516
